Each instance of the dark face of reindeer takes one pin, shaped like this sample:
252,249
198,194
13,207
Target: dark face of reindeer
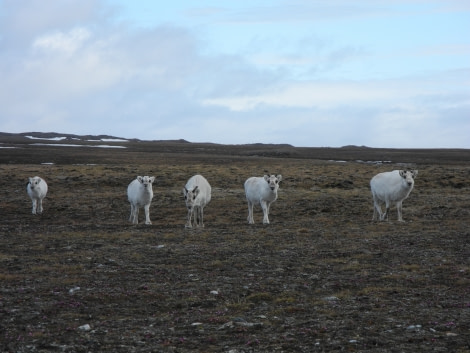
145,181
408,176
190,196
34,182
273,181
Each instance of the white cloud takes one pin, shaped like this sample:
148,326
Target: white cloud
66,42
72,67
322,94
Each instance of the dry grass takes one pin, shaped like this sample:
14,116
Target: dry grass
320,277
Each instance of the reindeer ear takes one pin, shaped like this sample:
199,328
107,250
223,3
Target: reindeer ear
415,173
402,173
279,177
266,177
139,178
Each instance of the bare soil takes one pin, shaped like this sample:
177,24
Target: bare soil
322,277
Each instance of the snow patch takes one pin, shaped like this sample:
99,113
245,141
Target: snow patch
47,138
72,145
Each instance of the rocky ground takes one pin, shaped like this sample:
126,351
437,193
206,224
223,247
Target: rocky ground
322,277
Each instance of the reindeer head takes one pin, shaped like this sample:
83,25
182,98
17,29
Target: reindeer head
190,196
408,176
273,181
34,182
146,181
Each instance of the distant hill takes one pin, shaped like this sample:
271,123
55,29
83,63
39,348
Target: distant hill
54,135
52,143
70,137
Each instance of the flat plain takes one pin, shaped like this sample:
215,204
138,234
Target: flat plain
322,277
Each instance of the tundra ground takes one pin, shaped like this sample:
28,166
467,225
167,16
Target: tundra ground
322,277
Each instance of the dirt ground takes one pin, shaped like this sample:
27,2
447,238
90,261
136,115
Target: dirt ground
322,277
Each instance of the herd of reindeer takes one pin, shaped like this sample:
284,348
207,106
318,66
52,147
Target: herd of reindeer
388,187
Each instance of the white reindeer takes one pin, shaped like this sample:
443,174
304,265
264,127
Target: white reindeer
262,190
37,190
197,194
140,194
389,187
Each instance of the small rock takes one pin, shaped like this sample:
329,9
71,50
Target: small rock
413,328
239,319
226,325
85,327
248,324
73,290
331,299
214,292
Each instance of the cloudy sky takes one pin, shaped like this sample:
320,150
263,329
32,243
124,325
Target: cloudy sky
380,73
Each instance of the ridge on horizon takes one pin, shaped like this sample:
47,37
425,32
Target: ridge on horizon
68,137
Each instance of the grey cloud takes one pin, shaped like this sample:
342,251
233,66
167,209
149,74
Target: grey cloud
22,20
70,66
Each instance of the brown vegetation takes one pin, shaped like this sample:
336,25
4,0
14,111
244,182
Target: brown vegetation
321,277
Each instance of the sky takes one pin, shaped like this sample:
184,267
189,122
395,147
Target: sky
377,73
